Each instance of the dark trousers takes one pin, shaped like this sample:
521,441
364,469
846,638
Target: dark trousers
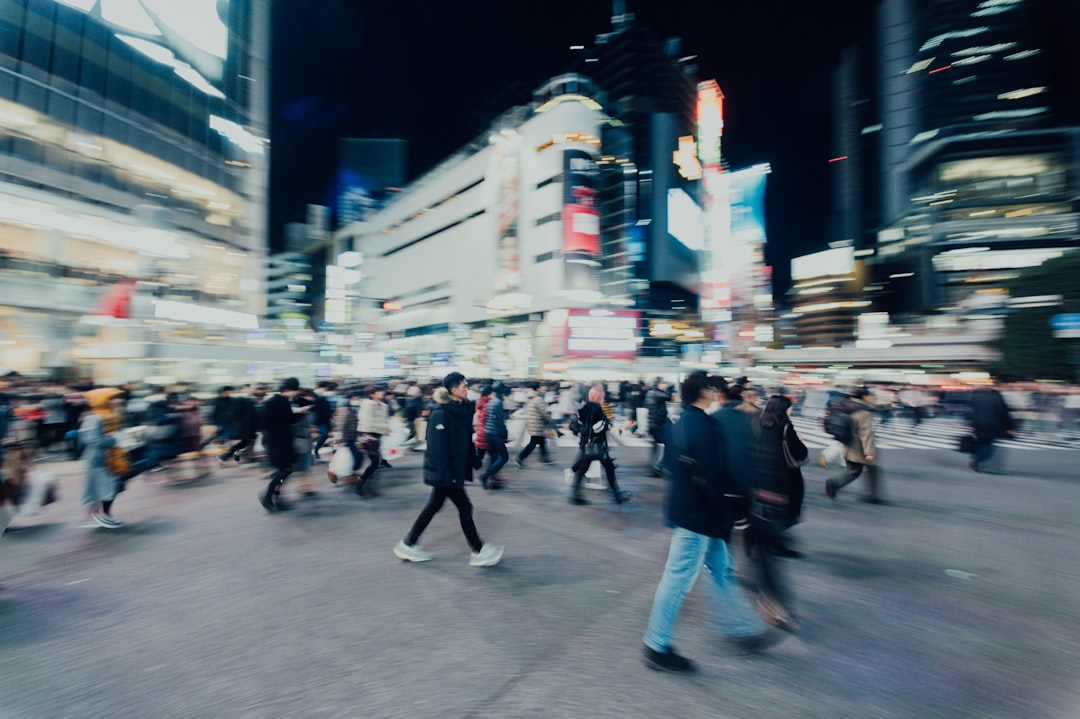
374,460
852,471
764,540
320,440
534,442
439,495
984,449
239,447
499,457
277,479
581,466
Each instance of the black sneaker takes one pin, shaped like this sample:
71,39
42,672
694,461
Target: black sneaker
667,661
267,502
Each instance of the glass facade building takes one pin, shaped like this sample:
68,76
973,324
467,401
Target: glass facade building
974,147
132,147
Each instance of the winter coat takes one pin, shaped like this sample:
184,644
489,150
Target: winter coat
323,410
495,421
374,417
990,416
278,418
696,501
222,410
592,415
101,484
449,457
345,423
479,423
243,418
538,417
772,473
862,431
739,439
162,414
656,402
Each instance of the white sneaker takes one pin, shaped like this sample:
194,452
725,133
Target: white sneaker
488,556
412,554
107,522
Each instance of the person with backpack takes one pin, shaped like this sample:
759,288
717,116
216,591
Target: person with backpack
593,426
852,423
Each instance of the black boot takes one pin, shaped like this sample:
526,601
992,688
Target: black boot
620,495
576,495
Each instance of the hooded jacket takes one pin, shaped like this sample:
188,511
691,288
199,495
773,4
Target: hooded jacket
448,460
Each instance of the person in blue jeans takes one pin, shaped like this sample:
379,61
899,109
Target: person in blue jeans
701,507
497,435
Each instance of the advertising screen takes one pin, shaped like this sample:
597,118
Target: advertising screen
686,223
581,222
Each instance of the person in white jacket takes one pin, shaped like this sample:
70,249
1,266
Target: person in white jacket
373,422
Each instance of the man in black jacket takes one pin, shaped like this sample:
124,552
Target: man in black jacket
656,400
220,416
700,508
990,420
448,463
278,418
243,423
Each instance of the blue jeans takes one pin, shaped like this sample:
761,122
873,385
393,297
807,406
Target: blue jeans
499,457
689,551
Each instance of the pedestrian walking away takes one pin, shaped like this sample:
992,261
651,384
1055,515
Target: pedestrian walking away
699,507
278,419
776,503
537,421
448,464
593,426
860,454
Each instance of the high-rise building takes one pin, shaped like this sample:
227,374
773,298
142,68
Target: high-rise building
132,155
652,95
958,146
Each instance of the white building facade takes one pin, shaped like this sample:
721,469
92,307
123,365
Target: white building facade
491,262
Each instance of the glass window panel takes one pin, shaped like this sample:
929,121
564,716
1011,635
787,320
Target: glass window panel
62,108
11,20
38,35
118,73
30,94
66,48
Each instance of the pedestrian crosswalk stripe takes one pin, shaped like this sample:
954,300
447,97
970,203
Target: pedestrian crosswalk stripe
930,434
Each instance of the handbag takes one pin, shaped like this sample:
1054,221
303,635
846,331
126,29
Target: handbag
789,459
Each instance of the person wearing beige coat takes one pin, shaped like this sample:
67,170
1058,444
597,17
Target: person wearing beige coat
860,452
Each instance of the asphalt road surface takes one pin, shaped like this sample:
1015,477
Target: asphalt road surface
960,598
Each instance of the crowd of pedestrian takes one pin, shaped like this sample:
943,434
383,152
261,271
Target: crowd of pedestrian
730,453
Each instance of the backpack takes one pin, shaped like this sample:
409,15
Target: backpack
838,425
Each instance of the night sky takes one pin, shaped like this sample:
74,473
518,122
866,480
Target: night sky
435,73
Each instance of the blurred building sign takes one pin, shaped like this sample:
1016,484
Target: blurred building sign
602,333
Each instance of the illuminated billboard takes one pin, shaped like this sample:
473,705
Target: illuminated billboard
838,261
602,333
506,176
191,37
733,268
686,222
581,222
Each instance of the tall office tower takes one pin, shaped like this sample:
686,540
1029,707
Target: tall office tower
652,100
132,155
978,146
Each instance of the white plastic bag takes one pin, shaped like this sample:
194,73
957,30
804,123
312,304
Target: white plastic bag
341,464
